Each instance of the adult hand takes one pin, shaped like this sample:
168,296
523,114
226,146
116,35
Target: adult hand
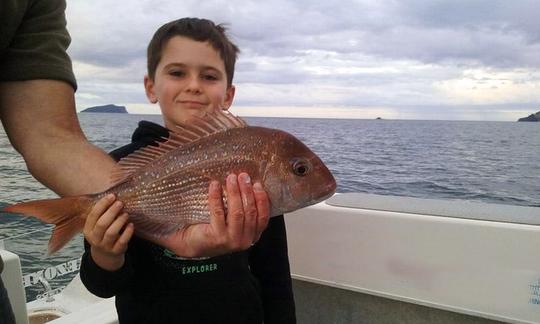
247,217
106,231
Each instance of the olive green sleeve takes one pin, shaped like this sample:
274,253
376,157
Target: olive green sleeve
36,46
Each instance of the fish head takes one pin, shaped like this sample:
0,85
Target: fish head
295,177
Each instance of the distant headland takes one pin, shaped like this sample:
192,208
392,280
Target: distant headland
106,109
531,118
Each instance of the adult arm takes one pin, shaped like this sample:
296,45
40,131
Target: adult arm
37,105
40,120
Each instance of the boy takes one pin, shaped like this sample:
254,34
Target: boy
190,72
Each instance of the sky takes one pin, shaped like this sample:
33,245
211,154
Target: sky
433,59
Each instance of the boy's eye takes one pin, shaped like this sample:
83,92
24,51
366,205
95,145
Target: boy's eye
210,77
176,73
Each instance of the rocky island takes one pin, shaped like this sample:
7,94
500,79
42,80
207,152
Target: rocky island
106,109
531,118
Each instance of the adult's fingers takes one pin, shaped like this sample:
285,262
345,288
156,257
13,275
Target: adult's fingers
250,209
99,208
263,209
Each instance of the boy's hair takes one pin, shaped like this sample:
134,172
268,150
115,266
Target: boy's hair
202,30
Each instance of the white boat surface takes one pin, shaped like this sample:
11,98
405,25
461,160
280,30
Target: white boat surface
363,258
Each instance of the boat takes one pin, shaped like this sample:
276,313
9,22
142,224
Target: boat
364,258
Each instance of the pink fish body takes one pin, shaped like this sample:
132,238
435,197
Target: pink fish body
165,187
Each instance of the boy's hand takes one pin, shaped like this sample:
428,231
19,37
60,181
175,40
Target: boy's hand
248,214
103,230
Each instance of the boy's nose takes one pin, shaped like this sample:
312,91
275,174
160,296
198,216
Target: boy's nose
193,85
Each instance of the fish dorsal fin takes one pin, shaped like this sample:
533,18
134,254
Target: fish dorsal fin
181,135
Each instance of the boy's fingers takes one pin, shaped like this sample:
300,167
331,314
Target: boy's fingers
123,240
107,219
215,205
113,231
250,209
235,212
99,208
263,209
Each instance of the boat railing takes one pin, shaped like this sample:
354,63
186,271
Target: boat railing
43,275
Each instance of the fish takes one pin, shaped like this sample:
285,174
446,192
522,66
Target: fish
164,187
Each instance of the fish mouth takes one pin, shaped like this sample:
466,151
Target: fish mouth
315,198
331,187
328,192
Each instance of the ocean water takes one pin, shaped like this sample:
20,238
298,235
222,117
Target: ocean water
494,162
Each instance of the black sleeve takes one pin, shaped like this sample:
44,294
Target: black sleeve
101,282
269,262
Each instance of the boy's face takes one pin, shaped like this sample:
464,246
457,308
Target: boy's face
189,80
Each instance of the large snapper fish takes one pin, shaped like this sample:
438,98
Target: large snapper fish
165,187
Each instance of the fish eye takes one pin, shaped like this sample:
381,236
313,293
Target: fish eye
301,167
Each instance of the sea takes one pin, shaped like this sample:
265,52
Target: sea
483,161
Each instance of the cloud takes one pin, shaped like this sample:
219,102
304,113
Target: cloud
390,55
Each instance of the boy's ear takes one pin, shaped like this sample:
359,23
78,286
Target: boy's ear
149,89
229,96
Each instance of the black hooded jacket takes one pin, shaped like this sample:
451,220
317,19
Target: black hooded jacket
155,286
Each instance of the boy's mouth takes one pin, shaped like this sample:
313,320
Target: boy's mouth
192,103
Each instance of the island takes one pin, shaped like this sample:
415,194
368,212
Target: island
531,118
106,109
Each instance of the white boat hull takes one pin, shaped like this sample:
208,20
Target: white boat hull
479,267
479,261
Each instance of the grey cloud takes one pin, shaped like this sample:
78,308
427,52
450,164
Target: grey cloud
304,52
507,16
489,33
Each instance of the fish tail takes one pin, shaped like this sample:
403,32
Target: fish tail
67,214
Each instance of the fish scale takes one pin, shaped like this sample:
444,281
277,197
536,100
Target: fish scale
182,162
165,187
